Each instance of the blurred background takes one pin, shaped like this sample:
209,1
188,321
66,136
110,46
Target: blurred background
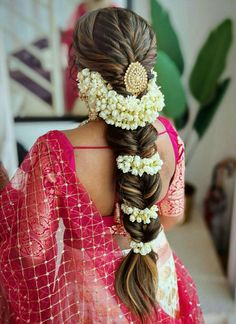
196,69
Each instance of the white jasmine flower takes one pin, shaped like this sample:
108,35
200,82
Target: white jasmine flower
138,165
140,215
120,109
140,247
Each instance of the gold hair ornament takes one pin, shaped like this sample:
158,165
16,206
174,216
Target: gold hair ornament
136,79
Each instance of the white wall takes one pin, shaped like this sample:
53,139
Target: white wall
37,11
193,21
142,8
8,152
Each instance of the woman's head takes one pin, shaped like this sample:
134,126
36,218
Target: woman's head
108,40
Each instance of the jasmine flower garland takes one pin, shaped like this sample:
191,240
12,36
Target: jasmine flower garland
140,247
137,165
140,215
128,113
125,112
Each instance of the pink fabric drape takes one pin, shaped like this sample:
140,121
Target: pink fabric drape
57,256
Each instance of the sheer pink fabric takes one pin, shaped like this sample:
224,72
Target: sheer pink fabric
58,258
173,203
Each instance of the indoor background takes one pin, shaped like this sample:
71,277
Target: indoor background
196,68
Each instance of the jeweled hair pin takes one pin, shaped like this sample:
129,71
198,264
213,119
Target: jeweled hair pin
136,79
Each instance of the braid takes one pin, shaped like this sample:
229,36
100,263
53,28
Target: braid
107,41
140,192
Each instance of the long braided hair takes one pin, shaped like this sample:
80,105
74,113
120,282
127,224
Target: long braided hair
107,41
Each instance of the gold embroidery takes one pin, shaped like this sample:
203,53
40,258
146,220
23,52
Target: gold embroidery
166,273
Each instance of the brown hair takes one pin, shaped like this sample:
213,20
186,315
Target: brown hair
107,41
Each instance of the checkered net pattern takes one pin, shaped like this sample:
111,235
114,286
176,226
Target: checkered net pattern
57,259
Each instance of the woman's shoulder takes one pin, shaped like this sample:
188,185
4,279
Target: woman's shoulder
53,139
49,136
90,134
46,147
167,124
177,142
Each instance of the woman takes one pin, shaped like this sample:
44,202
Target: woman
63,260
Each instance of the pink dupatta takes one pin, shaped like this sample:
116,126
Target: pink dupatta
57,256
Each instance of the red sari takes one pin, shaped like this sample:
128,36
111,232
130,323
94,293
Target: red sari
58,257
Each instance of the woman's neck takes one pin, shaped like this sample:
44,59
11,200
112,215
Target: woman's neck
96,129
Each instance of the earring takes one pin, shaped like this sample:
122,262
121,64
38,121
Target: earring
93,115
83,97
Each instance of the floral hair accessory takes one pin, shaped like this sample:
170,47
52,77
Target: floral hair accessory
140,215
125,112
137,165
140,247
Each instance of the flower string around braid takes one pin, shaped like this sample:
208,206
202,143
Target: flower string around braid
126,112
140,247
140,215
138,166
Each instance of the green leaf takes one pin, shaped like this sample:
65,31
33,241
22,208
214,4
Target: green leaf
168,77
167,40
211,62
181,122
207,112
